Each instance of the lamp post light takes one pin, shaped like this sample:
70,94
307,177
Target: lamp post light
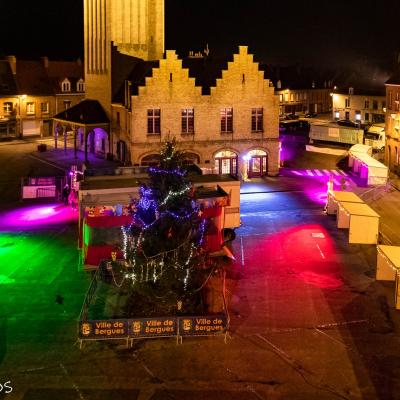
21,98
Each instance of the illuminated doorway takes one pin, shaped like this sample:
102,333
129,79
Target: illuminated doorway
258,163
226,162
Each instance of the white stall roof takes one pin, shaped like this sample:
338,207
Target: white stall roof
359,209
360,148
346,196
368,160
392,253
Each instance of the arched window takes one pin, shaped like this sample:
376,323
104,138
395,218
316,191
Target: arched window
80,86
257,163
226,162
152,160
66,85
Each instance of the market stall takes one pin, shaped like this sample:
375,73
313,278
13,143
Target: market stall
388,267
335,197
367,167
361,220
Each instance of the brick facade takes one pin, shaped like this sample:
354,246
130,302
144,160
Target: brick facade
170,89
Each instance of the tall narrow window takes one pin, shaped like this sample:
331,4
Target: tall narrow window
30,108
67,104
347,103
153,121
188,120
226,120
8,108
66,85
257,120
44,107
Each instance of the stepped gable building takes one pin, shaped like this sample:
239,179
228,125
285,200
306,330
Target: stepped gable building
392,123
224,114
33,91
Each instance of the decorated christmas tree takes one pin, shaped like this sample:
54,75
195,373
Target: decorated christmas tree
164,245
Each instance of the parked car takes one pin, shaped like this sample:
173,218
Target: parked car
347,122
291,116
311,115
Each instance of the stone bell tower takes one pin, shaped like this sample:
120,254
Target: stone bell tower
135,27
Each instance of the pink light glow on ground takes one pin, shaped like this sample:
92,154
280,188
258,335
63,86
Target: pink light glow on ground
310,259
35,216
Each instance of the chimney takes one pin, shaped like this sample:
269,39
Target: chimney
12,60
45,62
279,84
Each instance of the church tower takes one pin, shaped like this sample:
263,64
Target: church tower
135,27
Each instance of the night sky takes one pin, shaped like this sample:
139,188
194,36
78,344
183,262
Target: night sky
311,32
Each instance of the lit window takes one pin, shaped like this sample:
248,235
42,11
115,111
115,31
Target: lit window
66,85
257,120
366,104
44,107
226,120
8,108
30,108
188,120
347,103
154,121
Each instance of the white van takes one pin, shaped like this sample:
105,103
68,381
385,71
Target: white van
375,136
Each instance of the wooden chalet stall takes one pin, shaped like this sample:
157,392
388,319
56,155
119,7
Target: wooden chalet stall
361,220
104,203
336,197
388,268
367,167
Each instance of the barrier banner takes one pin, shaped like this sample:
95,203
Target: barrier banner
205,325
153,327
103,329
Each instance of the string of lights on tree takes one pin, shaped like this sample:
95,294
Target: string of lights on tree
165,239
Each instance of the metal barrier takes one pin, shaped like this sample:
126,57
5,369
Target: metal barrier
147,328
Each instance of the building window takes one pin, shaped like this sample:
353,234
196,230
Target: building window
257,120
366,116
30,108
281,98
375,104
347,115
226,120
154,121
188,120
366,105
80,86
67,104
44,107
66,86
347,103
8,108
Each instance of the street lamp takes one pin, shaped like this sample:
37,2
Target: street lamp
21,97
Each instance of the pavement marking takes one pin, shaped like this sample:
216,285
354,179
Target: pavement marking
322,254
333,339
303,372
46,162
249,387
75,386
334,324
242,250
335,172
318,172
